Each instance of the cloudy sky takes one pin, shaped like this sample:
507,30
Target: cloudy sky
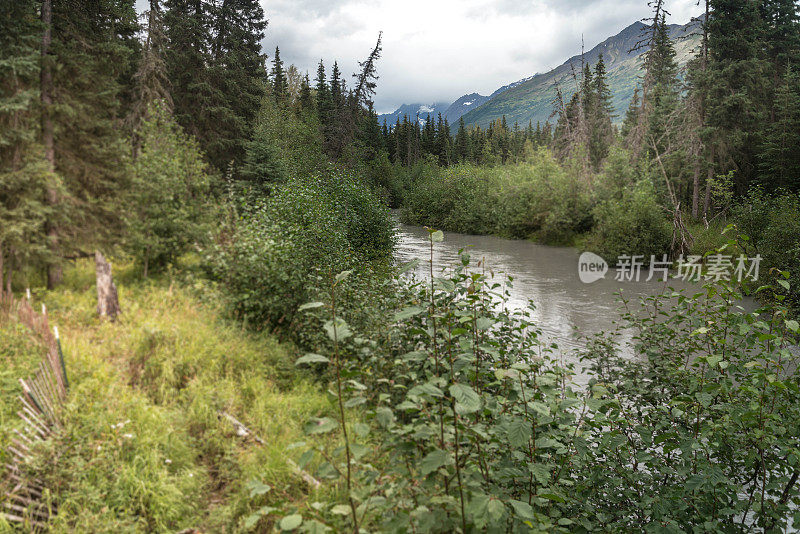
438,50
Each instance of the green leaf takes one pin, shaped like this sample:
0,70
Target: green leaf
310,306
253,519
337,330
792,325
311,358
552,497
343,275
408,313
354,401
496,510
519,432
291,522
467,400
315,527
484,323
340,509
405,267
437,236
434,460
426,389
257,488
785,284
385,416
358,450
523,510
320,426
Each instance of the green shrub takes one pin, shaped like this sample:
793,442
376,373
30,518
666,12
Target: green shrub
771,225
536,199
285,248
541,199
633,225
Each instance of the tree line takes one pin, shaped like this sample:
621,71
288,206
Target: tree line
733,111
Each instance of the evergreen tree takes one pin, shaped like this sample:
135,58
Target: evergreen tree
306,100
337,90
631,115
151,82
779,163
238,76
463,150
279,84
25,176
601,131
168,194
738,90
322,96
188,32
663,73
442,142
94,49
366,80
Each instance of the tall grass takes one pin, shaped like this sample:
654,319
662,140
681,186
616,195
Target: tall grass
143,447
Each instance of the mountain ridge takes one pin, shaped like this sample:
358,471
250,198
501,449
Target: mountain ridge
531,98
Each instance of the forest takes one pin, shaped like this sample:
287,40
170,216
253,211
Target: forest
273,368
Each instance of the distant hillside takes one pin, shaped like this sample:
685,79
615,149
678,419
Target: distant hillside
464,105
413,110
532,99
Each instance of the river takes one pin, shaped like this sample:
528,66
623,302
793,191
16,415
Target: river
566,309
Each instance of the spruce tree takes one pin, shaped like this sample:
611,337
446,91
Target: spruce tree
279,84
463,150
238,75
663,73
306,100
601,131
94,48
188,31
322,96
779,160
151,82
738,91
25,176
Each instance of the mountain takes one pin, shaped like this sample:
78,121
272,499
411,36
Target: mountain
531,99
464,105
413,110
451,112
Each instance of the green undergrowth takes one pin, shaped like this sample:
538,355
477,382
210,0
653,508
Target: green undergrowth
143,447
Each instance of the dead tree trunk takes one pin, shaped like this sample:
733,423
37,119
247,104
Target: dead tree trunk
107,298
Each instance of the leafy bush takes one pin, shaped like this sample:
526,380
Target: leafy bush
544,201
771,225
458,198
537,199
633,225
476,427
288,245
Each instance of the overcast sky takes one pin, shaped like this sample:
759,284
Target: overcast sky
438,50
